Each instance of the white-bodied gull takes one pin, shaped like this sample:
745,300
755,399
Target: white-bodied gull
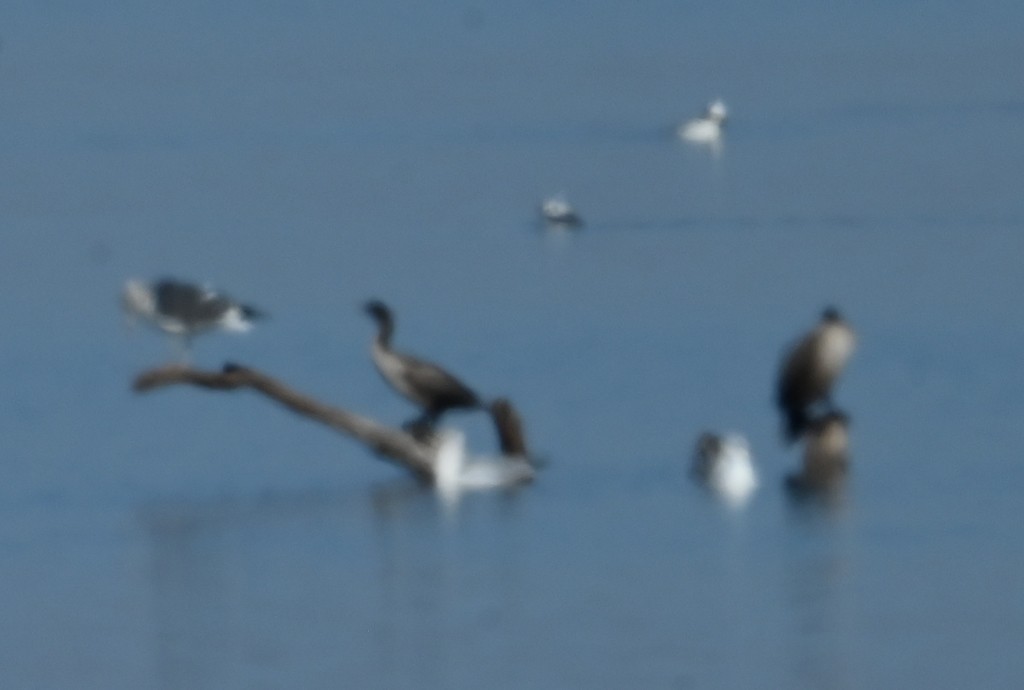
558,212
455,471
184,310
706,129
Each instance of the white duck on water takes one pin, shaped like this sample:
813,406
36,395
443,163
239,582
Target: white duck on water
724,465
456,471
558,212
708,128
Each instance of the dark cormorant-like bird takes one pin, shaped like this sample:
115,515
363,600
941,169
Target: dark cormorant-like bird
811,368
430,387
184,310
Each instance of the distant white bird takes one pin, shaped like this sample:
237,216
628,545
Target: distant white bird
455,471
724,464
184,310
706,129
557,211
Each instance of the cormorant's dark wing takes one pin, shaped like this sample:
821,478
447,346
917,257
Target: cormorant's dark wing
436,384
799,385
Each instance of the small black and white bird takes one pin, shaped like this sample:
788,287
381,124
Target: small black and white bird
810,369
184,310
558,212
826,455
723,463
427,385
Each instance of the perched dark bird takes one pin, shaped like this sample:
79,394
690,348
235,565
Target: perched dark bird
826,455
427,385
184,310
811,368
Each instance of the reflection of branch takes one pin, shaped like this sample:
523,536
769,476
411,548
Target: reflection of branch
395,444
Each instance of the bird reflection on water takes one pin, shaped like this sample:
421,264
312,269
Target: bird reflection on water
822,477
231,575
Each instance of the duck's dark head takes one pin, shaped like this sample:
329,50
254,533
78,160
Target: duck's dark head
830,315
709,445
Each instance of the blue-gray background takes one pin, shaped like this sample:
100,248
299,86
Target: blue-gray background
309,155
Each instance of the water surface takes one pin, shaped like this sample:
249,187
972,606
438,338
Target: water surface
308,157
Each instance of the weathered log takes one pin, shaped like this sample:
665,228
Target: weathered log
392,443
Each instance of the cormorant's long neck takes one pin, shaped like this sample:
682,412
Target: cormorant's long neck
385,327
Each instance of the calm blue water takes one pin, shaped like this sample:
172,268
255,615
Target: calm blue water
307,156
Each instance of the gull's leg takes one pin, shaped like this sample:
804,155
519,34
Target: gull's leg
182,348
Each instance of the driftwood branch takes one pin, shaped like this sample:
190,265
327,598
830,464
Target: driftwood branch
394,444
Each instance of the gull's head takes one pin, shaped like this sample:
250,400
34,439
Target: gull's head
717,111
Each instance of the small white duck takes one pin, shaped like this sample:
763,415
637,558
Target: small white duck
455,471
708,128
557,211
724,465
